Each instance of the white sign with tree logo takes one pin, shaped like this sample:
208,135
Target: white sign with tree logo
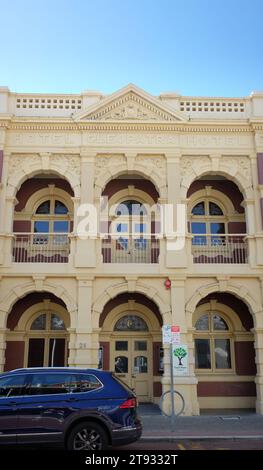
180,359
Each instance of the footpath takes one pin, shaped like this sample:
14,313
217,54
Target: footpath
226,424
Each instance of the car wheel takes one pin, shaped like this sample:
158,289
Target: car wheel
87,436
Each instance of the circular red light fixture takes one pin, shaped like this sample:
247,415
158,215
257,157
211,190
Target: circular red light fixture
167,283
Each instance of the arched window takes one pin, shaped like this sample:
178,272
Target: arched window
51,216
213,343
131,323
132,224
208,217
47,341
131,207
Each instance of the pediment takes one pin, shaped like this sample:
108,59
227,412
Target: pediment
130,104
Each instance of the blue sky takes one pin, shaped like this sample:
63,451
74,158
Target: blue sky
194,47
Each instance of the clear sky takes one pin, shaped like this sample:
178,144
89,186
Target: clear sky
194,47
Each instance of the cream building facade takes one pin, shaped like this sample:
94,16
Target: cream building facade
67,299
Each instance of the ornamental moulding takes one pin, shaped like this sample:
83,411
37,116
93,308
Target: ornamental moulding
54,125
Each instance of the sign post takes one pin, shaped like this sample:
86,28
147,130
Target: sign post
171,335
172,388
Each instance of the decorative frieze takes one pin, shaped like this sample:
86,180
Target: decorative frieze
191,164
152,163
107,162
236,165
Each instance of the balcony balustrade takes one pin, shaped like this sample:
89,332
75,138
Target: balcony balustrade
55,248
220,249
41,247
126,250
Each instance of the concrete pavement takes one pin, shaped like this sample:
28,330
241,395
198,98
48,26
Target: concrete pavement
227,424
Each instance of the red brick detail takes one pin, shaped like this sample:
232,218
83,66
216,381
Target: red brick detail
229,188
237,227
32,185
233,302
14,355
156,357
260,167
261,210
22,226
245,358
157,389
226,389
23,304
106,354
1,164
117,185
123,298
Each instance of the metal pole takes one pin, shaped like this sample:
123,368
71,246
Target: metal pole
172,388
53,352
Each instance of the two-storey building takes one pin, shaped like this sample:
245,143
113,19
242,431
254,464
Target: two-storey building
70,163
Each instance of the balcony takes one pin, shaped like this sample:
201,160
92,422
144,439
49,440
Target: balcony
41,247
126,250
220,249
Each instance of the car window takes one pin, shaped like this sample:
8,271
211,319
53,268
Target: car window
49,384
12,386
84,383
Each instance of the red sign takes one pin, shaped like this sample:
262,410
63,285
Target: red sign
175,329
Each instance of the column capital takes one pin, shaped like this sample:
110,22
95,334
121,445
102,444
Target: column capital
177,281
75,199
12,199
173,157
87,156
247,202
85,281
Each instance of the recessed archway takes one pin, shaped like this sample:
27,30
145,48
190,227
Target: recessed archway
37,332
224,352
130,342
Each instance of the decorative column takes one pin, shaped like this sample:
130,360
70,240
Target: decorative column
177,247
253,255
259,199
2,348
84,341
3,331
6,213
186,385
85,255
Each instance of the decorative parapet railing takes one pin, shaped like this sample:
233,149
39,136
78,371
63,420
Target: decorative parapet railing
125,250
227,108
41,247
66,105
220,249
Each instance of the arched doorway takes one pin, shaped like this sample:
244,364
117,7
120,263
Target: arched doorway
224,353
130,341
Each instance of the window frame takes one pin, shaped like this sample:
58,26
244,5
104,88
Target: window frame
212,335
208,219
47,334
50,218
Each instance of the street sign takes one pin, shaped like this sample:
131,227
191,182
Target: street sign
167,334
180,360
175,331
171,334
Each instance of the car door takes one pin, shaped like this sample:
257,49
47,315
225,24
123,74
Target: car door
11,388
42,412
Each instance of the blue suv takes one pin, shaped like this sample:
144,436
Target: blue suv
85,409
